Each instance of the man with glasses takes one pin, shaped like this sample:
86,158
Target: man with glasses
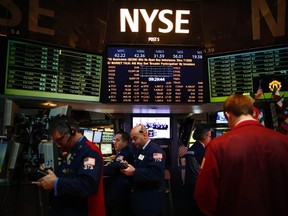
77,183
147,174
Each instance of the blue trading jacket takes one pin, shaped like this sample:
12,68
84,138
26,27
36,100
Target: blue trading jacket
194,157
79,178
148,180
117,185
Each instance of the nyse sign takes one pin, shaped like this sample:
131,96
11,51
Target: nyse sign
265,22
181,19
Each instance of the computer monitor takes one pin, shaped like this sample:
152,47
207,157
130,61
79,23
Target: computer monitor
158,127
220,118
107,137
88,134
97,136
106,148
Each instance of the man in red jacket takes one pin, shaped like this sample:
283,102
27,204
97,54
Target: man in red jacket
245,171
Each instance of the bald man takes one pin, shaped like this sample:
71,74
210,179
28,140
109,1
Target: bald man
147,174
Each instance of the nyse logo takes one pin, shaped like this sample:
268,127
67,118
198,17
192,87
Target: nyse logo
178,25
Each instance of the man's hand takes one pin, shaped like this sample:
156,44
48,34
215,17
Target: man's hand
129,171
47,182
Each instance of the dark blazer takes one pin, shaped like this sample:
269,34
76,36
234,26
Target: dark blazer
148,181
194,157
80,182
117,185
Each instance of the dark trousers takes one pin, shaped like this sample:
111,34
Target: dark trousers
190,202
125,211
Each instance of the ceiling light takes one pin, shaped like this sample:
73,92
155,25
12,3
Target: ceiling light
49,104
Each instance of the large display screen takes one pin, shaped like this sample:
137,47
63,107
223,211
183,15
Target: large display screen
158,127
150,74
47,71
235,72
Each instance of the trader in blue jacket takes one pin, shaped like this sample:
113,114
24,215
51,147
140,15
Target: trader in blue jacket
194,157
118,185
76,184
147,174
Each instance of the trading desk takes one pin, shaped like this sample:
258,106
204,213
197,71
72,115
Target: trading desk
25,199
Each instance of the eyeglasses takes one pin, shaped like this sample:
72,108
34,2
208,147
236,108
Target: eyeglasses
59,140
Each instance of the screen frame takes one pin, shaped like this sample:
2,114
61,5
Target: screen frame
167,118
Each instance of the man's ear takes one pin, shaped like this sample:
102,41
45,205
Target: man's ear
227,115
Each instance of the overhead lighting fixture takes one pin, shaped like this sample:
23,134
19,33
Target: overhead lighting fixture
49,104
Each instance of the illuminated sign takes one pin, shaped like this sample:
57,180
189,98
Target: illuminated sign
275,84
162,16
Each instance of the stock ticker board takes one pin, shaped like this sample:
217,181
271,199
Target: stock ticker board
243,71
147,74
48,71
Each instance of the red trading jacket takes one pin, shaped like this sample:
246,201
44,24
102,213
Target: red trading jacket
96,202
245,172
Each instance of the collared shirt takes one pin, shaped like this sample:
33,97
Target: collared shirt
247,119
146,144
